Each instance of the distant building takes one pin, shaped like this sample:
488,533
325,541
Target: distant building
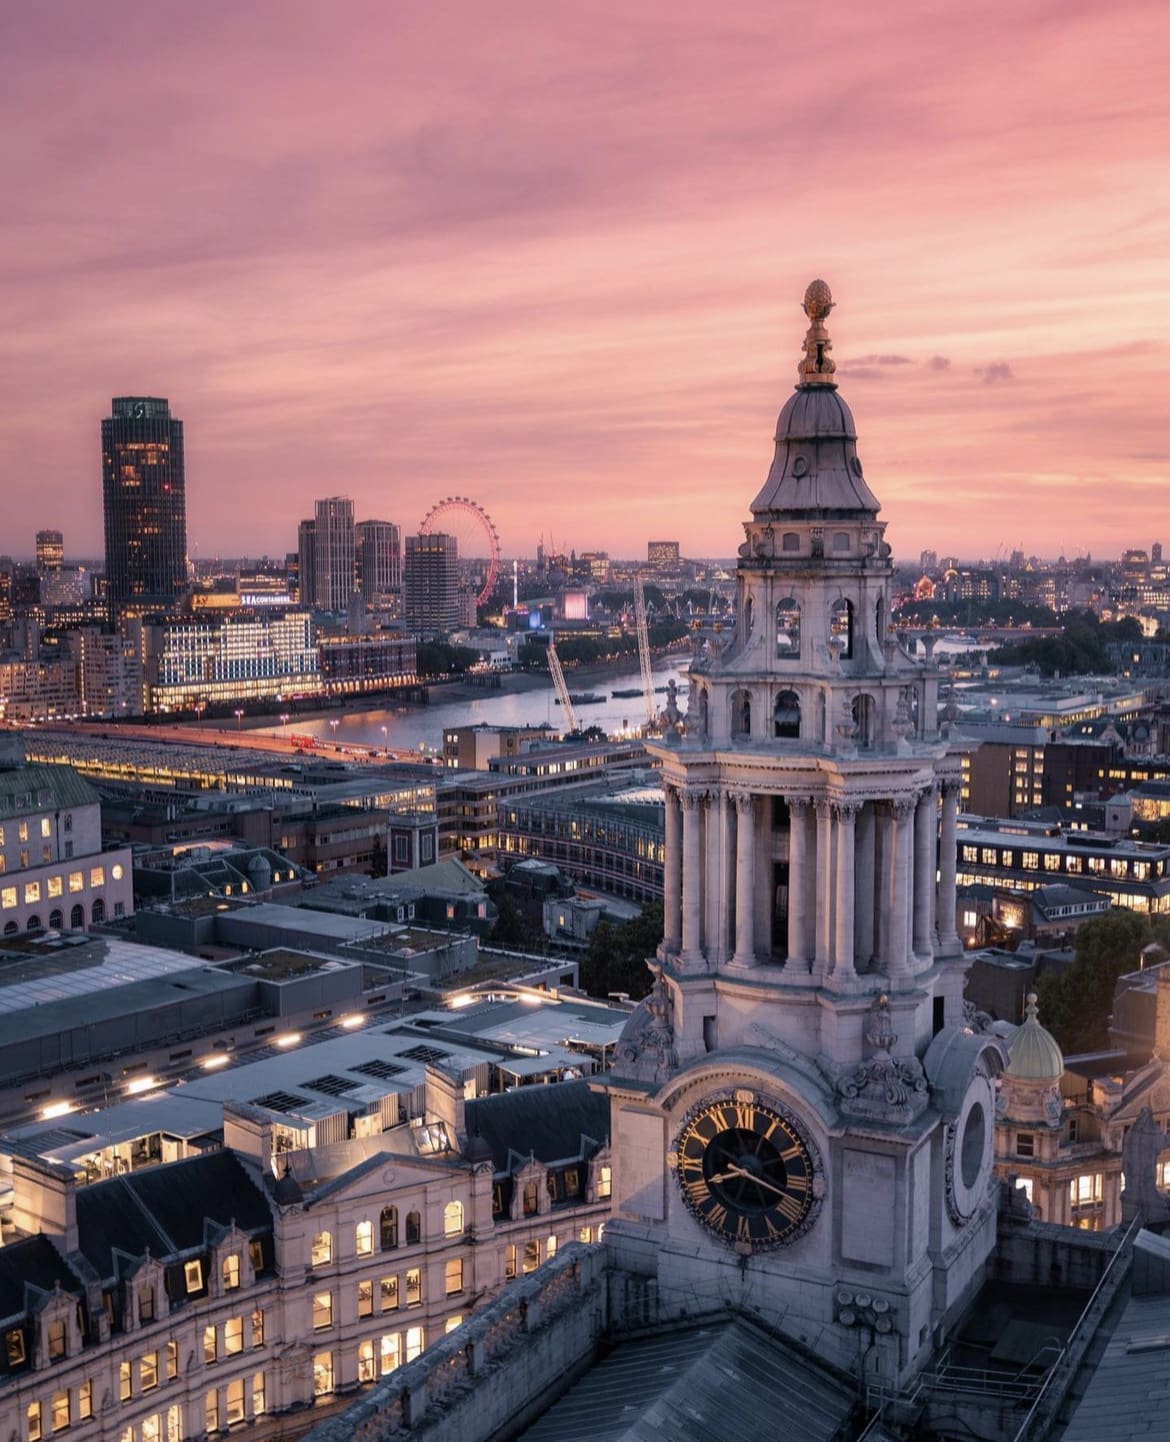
333,552
379,560
351,665
218,660
471,748
662,555
307,562
145,504
50,550
430,583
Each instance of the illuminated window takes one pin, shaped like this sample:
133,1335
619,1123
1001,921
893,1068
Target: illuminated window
453,1276
32,892
46,827
322,1374
322,1310
231,1271
366,1365
59,1411
76,881
585,1234
550,1247
453,1219
1086,1190
33,1415
259,1395
233,1336
510,1261
605,1181
1025,1145
365,1299
531,1255
54,886
257,1321
364,1239
235,1401
211,1411
85,1401
389,1290
172,1362
414,1287
22,831
210,1350
414,1343
193,1276
322,1249
1030,860
390,1352
125,1382
8,897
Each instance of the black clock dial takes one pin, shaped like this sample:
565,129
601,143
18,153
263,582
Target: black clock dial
746,1172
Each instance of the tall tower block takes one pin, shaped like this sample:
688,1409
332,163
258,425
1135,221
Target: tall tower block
801,1117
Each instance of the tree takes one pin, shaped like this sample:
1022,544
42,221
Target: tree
617,955
1076,1003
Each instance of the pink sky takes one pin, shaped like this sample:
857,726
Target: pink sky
551,256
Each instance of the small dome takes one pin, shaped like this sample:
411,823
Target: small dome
1034,1052
476,1151
287,1191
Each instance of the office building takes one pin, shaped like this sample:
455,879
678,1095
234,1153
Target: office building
333,555
307,562
430,583
221,660
145,504
378,546
662,555
50,551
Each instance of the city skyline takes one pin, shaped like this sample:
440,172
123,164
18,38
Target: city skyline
527,265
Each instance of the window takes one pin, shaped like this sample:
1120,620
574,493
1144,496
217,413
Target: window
322,1310
59,1411
322,1250
585,1234
786,715
14,1347
550,1249
970,853
148,1372
85,1401
365,1299
175,1423
390,1352
8,897
788,628
414,1287
413,1228
510,1261
389,1292
453,1219
193,1276
367,1366
235,1401
97,876
22,831
1086,1191
259,1395
531,1199
54,887
451,1323
172,1362
453,1276
256,1254
210,1351
841,628
414,1342
233,1336
34,1422
211,1411
1025,1145
76,881
531,1256
257,1328
322,1374
364,1239
146,1304
125,1382
388,1229
32,892
231,1271
605,1181
1030,860
1052,861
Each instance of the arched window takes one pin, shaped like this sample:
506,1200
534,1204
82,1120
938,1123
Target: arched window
322,1250
77,917
788,629
413,1228
703,711
34,923
363,1239
741,713
453,1219
749,618
790,541
56,919
841,626
840,540
99,911
10,928
786,714
388,1229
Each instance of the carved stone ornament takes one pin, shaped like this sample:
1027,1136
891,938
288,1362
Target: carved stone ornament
974,1019
645,1049
885,1087
863,1309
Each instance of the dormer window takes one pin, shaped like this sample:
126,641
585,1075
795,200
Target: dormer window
193,1276
14,1347
57,1340
231,1271
145,1304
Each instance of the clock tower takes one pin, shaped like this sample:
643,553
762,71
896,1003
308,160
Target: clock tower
802,1118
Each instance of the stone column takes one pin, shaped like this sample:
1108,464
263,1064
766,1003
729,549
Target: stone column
925,842
672,873
724,943
863,890
798,862
824,887
843,889
745,871
898,897
948,938
692,877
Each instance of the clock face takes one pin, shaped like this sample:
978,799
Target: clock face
746,1170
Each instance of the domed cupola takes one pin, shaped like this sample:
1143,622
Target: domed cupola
1035,1054
816,469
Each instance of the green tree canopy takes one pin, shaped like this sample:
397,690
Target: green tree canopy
617,955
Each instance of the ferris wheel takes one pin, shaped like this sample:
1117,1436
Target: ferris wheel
463,507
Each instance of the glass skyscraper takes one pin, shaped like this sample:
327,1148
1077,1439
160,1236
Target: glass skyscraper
145,502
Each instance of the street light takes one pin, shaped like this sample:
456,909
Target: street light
334,725
239,718
284,720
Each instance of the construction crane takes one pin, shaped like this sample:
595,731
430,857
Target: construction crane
643,626
562,686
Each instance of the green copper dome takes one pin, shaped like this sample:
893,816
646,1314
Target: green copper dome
1034,1053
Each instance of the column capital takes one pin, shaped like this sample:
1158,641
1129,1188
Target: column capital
671,790
903,806
797,805
743,801
692,797
950,786
823,807
847,809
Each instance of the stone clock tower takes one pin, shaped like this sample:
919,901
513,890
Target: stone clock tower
803,1122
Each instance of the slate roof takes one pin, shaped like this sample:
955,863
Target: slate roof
22,788
554,1123
1128,1395
724,1382
165,1208
33,1262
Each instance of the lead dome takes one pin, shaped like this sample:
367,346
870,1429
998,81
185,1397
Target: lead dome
1034,1053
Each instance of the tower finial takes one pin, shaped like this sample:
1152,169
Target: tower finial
817,367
